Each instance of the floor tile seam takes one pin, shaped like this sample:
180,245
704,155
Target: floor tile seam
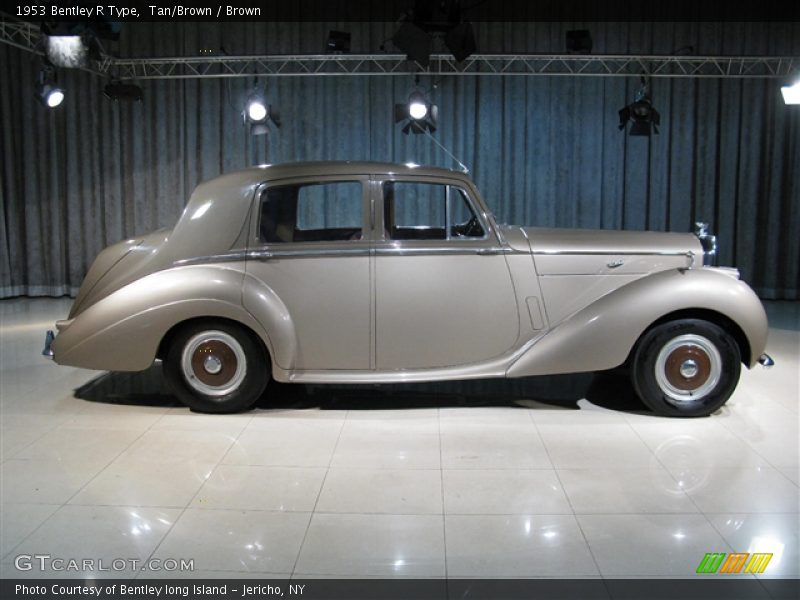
569,501
78,491
319,494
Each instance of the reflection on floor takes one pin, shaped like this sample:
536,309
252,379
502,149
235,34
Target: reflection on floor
551,477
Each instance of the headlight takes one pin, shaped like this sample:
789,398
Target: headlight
708,242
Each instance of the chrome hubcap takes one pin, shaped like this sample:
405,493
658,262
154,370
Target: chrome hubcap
213,363
688,368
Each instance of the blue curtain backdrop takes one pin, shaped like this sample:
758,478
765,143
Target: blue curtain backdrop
545,151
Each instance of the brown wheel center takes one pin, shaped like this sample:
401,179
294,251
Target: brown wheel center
687,367
214,363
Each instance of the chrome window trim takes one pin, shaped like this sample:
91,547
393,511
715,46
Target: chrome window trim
265,186
477,209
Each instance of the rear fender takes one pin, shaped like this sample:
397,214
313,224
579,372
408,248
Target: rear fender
267,307
122,332
602,335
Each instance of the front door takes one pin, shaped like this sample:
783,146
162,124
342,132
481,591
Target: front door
311,249
443,292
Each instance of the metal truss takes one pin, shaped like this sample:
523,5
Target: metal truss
445,64
25,35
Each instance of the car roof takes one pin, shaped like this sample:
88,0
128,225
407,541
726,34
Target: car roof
218,208
343,167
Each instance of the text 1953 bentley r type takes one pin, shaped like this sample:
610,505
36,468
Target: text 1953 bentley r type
351,272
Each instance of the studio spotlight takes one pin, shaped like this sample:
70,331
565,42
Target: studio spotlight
47,92
417,105
66,51
791,93
70,44
641,113
256,109
258,114
418,114
338,42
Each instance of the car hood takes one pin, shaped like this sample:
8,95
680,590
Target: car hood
601,241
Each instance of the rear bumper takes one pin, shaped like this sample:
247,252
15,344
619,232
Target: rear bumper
49,337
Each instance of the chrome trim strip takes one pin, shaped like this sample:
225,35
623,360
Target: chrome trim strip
306,253
483,250
265,254
241,255
233,256
688,253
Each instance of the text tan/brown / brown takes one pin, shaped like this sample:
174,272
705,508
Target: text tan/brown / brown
359,272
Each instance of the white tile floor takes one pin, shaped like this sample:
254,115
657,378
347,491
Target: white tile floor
484,479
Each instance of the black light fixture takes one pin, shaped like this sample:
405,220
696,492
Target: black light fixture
47,91
418,114
579,41
415,42
123,91
258,114
460,40
641,112
428,20
338,42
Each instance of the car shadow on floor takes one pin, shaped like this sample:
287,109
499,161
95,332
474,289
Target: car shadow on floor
609,390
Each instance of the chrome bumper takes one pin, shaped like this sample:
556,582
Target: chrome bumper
765,360
48,344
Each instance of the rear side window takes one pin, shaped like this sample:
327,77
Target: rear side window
311,212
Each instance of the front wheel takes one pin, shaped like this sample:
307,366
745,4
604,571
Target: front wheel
687,368
216,367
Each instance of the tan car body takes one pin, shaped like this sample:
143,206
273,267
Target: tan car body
519,302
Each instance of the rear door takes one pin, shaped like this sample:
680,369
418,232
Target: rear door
311,247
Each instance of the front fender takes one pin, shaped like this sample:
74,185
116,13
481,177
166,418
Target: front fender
602,335
122,332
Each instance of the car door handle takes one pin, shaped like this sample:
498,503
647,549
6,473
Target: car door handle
490,251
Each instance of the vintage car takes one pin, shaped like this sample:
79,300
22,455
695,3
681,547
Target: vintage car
359,272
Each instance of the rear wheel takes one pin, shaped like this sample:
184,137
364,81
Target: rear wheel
216,367
686,368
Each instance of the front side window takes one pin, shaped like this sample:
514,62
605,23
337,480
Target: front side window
311,212
428,211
